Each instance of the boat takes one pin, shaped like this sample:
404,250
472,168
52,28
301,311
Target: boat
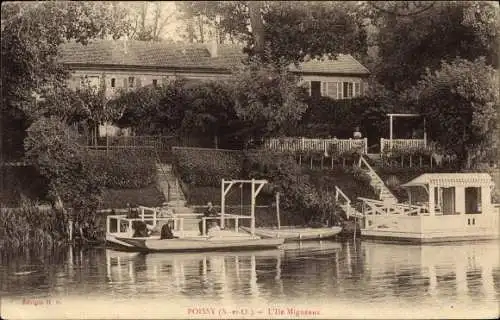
290,234
441,207
120,232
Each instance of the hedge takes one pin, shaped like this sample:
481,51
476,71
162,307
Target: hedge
124,169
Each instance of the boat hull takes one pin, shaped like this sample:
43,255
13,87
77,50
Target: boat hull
422,238
296,234
199,244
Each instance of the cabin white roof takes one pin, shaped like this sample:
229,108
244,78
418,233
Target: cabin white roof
451,180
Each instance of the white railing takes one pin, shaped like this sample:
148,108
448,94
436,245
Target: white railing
345,203
152,216
290,144
387,145
378,207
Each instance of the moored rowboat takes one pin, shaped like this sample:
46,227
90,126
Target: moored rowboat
296,233
225,240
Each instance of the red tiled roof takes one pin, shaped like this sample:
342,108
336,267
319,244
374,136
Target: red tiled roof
343,64
168,55
152,54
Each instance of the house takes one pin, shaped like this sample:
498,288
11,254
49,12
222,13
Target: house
126,64
131,64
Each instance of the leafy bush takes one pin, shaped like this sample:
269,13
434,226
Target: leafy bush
206,167
124,169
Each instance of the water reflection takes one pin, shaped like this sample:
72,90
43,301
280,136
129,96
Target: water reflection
328,272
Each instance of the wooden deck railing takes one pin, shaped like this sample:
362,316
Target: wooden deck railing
387,145
290,144
378,207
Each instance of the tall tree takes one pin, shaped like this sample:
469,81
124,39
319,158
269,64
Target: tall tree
290,30
267,98
149,19
461,101
411,41
31,34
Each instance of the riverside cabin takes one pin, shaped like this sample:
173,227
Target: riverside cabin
441,207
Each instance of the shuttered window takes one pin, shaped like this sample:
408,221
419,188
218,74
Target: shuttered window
138,82
332,89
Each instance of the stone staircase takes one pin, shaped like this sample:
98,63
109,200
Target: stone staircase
376,158
377,183
169,185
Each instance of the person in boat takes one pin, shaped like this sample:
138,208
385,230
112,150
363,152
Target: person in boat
133,211
140,229
164,212
209,212
214,227
166,232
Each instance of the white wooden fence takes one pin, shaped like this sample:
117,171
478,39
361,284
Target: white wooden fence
289,144
386,145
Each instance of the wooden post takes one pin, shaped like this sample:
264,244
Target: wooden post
222,203
252,225
70,229
278,209
390,131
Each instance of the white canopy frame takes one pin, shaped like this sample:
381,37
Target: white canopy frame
403,115
226,185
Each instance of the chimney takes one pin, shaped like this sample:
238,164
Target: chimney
213,48
125,44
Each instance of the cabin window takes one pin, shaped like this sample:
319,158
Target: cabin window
131,82
448,200
472,200
155,83
113,82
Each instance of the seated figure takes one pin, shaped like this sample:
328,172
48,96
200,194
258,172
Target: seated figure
166,232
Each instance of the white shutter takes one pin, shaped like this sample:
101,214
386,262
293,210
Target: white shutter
323,89
332,89
357,89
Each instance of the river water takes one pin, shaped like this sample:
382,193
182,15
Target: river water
310,280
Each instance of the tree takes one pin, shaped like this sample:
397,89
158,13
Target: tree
52,149
461,103
267,98
31,34
148,20
153,110
291,30
210,111
446,30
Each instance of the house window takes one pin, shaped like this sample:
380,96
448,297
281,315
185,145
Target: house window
155,83
316,88
113,82
131,82
335,90
332,89
348,90
89,81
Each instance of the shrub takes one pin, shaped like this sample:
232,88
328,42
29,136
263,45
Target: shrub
206,167
124,169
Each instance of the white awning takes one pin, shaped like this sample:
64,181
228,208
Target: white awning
451,180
